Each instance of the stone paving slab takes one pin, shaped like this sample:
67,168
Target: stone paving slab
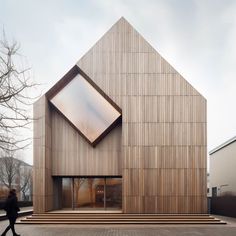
135,230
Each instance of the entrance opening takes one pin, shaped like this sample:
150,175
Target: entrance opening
89,193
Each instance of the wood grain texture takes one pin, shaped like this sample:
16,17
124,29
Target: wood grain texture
42,171
160,148
72,155
163,124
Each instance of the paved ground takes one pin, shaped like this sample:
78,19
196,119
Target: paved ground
168,230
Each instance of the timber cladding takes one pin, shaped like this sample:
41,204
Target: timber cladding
160,147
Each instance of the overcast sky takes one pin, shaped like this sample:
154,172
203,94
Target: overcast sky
197,37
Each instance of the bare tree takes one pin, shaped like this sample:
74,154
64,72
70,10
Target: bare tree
14,173
15,100
78,182
90,184
25,181
9,168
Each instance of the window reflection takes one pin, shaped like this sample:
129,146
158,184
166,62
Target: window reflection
85,192
92,193
85,108
113,193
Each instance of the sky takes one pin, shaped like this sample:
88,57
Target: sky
197,37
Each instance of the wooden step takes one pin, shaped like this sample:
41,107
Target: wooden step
125,219
102,218
123,222
116,214
120,217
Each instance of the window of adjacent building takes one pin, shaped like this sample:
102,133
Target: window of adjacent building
214,192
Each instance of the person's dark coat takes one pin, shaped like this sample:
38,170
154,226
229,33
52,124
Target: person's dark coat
11,207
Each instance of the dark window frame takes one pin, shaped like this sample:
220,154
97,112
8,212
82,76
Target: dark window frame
62,84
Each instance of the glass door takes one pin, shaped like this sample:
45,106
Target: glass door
88,193
66,193
113,193
91,193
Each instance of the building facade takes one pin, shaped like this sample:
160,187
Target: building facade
222,169
121,130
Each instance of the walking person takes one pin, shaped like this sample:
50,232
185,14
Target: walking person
11,208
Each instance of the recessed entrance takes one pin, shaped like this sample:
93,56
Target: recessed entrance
91,193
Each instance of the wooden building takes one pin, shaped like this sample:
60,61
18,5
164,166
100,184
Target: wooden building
121,130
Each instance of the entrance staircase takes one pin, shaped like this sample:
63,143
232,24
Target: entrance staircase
118,218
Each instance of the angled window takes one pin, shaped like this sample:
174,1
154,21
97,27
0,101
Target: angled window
87,108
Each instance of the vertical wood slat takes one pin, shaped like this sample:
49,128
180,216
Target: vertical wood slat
160,149
72,155
42,174
163,128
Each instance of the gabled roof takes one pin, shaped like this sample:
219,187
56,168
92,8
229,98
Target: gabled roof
127,54
223,145
115,41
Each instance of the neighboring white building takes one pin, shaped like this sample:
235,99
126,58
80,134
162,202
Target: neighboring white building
223,169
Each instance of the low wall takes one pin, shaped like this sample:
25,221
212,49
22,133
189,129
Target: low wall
225,205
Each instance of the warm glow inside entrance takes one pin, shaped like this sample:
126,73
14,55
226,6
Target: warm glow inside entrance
92,193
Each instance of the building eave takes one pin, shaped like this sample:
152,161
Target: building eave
223,145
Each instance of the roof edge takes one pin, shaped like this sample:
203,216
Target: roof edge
228,142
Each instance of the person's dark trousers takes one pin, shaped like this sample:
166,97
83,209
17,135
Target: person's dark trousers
11,226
